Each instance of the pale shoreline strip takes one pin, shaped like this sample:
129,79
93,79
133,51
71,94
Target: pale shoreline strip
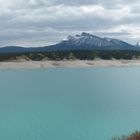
68,64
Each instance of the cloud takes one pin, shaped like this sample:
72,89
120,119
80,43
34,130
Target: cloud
42,22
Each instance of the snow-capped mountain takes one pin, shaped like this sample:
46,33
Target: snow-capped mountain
84,41
87,41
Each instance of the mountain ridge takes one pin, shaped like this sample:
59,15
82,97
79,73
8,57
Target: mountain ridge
84,41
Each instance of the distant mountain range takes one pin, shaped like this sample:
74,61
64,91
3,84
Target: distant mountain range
85,41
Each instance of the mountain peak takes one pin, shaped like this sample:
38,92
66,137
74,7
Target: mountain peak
91,42
86,34
87,40
82,36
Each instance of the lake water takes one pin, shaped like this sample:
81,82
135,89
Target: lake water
69,104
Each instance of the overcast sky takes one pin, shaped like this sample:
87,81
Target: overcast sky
43,22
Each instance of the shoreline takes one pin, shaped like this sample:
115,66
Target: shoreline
68,64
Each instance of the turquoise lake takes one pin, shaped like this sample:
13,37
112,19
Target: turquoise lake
69,104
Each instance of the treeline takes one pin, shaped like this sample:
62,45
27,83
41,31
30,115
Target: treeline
70,55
